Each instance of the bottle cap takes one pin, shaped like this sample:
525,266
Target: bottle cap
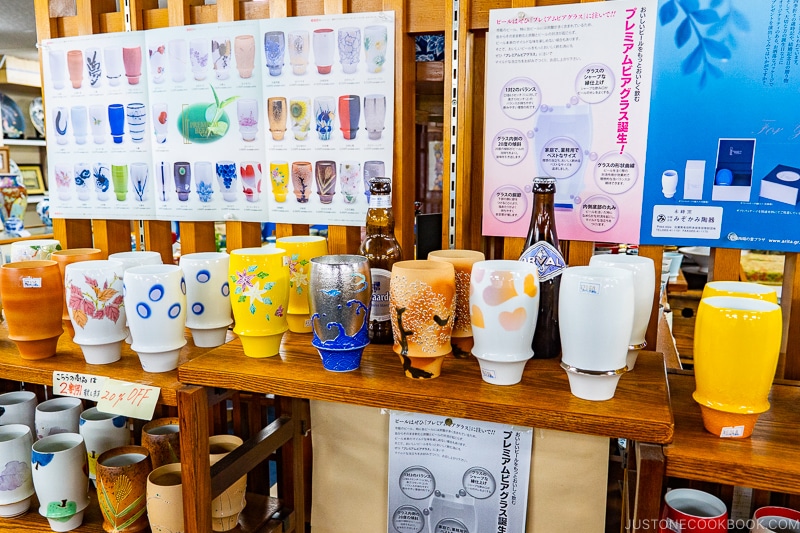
544,184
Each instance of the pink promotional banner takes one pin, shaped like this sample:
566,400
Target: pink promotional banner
568,96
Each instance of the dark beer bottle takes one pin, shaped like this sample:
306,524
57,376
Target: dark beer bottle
541,249
382,250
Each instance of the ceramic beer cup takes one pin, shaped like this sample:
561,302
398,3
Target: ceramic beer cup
16,482
58,415
61,479
301,249
694,511
122,486
102,432
226,508
19,407
324,43
207,297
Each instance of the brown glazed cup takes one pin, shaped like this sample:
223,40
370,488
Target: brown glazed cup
162,438
121,481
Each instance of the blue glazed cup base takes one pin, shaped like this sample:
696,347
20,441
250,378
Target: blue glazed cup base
344,360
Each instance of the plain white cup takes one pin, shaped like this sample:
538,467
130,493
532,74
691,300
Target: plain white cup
59,415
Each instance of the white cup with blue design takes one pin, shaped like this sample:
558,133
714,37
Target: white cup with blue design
155,299
208,299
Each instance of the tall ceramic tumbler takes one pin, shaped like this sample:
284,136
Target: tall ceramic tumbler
140,172
61,479
207,297
260,298
349,48
157,57
301,249
165,498
58,68
61,123
199,56
595,308
349,180
247,113
75,67
98,122
301,111
132,60
155,296
16,490
182,172
324,114
244,51
503,301
274,50
64,258
736,346
644,287
422,301
121,488
58,415
33,287
325,175
79,116
374,115
178,59
340,296
18,407
226,508
462,260
349,115
95,303
375,45
226,177
221,57
102,432
302,180
162,439
115,64
276,113
204,180
94,66
324,43
297,44
116,121
279,177
160,125
250,171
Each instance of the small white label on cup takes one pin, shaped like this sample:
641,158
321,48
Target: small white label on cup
732,431
590,288
308,323
488,373
31,283
286,260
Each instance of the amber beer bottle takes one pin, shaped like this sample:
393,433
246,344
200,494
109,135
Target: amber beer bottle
541,249
382,250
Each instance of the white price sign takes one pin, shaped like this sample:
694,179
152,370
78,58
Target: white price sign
77,385
130,399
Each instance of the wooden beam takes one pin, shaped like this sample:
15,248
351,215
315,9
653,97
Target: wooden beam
112,236
725,264
242,235
158,238
197,237
195,469
73,233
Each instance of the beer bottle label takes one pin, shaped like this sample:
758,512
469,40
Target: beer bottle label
548,260
380,201
380,294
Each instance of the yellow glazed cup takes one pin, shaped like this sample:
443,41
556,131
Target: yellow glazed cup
740,289
300,249
279,176
736,346
259,288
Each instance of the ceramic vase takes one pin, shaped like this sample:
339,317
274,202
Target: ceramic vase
178,59
221,57
102,432
207,297
422,307
63,181
157,57
102,181
136,114
325,176
116,121
61,479
349,48
226,508
302,180
165,499
58,68
58,415
324,114
279,176
95,303
298,46
132,60
115,64
736,346
301,249
349,115
595,310
199,55
161,437
349,180
250,171
79,116
119,178
64,258
61,123
75,67
740,289
18,407
204,180
300,109
244,51
340,296
33,287
122,488
274,50
324,42
260,298
94,66
14,203
644,287
374,115
160,124
183,180
462,261
16,488
375,45
276,113
504,304
98,123
247,113
226,177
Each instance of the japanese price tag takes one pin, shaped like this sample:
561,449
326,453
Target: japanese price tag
130,399
84,386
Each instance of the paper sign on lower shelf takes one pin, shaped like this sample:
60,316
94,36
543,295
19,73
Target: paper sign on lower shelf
84,386
130,399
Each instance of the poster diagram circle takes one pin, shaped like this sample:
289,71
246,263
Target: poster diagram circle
594,83
561,157
479,483
508,203
616,173
520,98
599,213
408,519
450,525
417,482
509,147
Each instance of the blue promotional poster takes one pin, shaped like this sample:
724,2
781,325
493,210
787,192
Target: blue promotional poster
723,148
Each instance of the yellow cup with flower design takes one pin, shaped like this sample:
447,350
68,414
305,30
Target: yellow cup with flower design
259,289
279,175
300,249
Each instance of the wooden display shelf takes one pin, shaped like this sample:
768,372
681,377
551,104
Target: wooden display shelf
639,410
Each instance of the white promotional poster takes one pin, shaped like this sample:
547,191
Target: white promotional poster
271,120
568,96
453,475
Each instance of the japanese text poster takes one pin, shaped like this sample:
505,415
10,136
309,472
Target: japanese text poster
452,475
